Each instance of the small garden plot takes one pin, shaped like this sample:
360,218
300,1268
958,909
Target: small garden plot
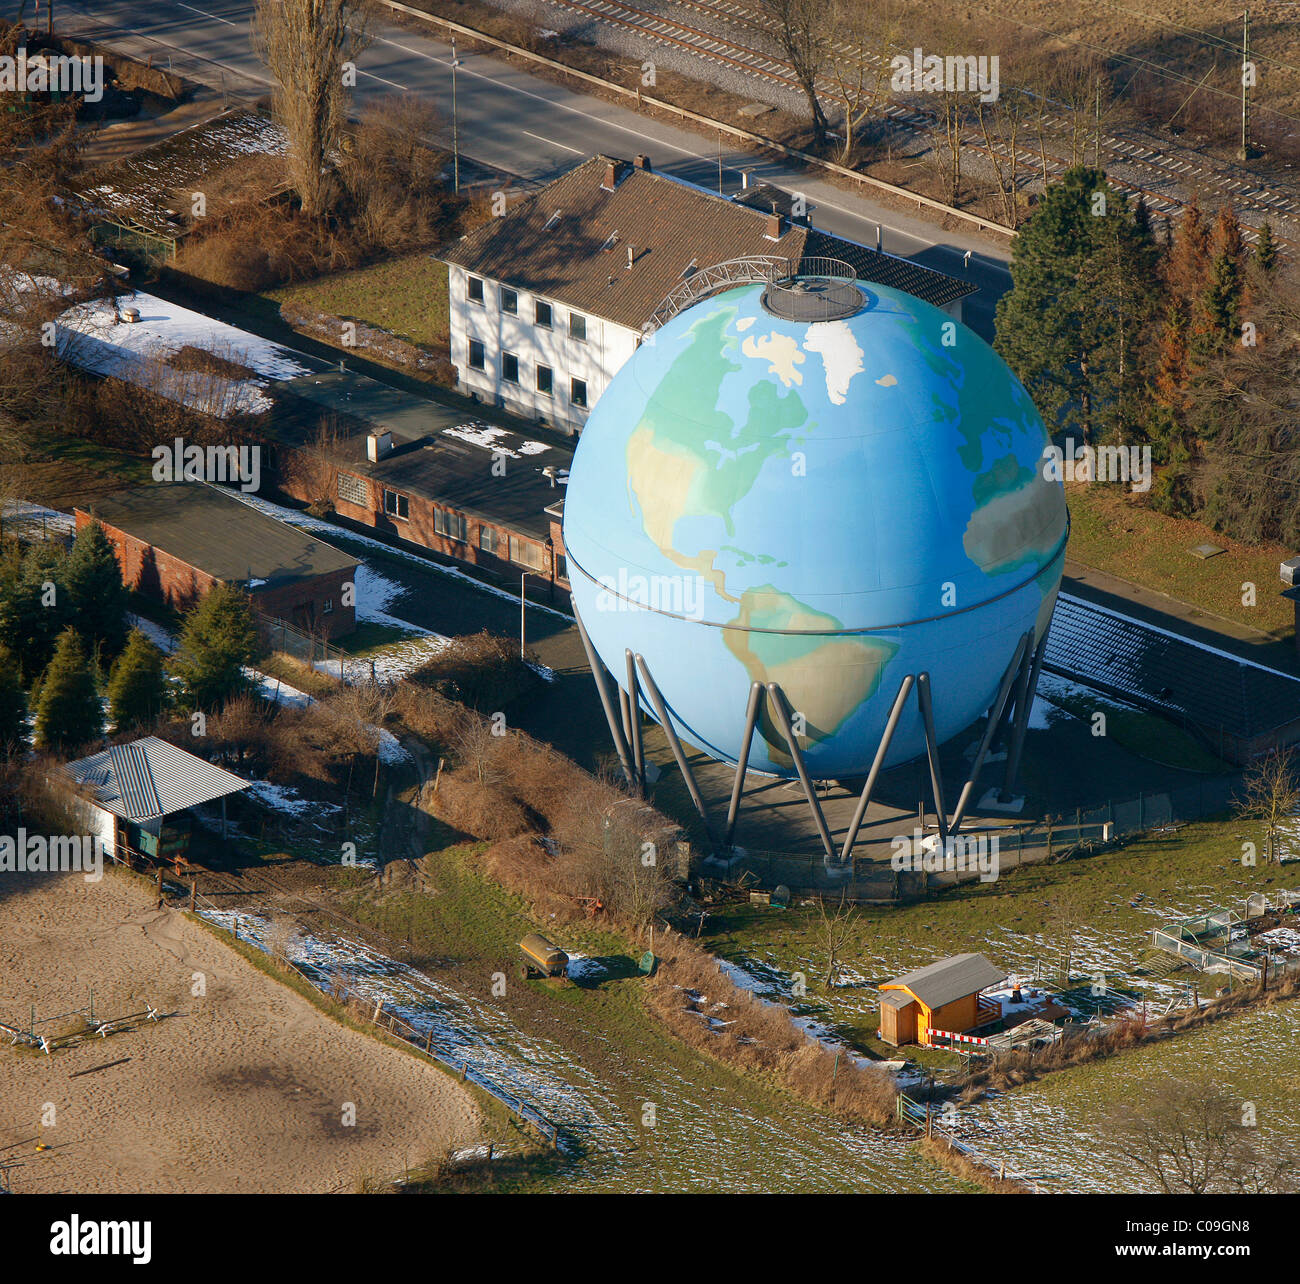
232,159
1089,917
177,354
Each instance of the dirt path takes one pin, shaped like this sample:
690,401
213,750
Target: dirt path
245,1088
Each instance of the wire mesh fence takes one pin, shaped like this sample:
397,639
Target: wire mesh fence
868,880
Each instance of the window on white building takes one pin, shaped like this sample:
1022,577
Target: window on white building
578,327
509,367
476,355
545,380
474,289
509,301
542,314
578,392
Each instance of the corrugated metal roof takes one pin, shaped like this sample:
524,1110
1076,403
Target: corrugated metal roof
948,979
150,778
130,771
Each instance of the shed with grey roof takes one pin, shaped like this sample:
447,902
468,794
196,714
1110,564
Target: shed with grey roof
136,797
942,996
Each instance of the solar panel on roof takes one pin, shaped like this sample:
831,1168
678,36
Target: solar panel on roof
1150,667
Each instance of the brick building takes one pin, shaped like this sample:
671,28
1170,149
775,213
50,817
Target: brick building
482,494
175,541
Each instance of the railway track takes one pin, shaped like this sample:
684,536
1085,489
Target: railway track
740,54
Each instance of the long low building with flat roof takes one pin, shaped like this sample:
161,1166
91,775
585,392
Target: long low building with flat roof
177,540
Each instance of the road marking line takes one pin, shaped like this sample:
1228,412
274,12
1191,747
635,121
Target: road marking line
203,13
577,151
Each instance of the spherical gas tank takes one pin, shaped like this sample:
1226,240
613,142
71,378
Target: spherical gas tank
825,485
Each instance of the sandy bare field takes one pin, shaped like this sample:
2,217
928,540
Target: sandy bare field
244,1089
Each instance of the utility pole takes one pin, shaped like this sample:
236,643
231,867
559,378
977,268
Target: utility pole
1247,76
455,126
523,580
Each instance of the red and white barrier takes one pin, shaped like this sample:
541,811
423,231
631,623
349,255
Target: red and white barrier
930,1035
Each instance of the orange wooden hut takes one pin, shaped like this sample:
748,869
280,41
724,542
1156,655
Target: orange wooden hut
943,996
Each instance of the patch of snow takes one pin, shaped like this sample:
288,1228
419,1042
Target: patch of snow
288,800
30,516
91,337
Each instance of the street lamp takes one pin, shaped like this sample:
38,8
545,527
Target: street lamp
455,130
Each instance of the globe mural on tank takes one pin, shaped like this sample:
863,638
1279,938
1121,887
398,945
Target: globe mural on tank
824,506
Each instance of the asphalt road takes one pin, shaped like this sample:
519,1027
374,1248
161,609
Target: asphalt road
521,124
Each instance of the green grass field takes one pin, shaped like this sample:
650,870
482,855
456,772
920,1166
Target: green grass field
1113,532
406,295
663,1116
1089,916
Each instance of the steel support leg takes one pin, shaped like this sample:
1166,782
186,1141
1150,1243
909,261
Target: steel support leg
924,699
665,721
606,700
634,723
738,785
1021,724
782,712
904,690
995,717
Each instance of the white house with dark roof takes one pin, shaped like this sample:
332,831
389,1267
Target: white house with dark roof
548,301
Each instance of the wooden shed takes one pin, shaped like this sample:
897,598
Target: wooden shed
943,996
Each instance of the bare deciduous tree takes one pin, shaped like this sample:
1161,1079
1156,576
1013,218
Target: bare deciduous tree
1003,124
946,156
1271,796
861,71
1191,1137
307,45
838,931
804,37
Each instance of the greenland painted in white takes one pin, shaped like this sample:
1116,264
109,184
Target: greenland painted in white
841,355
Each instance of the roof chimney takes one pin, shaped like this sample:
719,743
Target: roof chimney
774,224
631,256
611,175
642,161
